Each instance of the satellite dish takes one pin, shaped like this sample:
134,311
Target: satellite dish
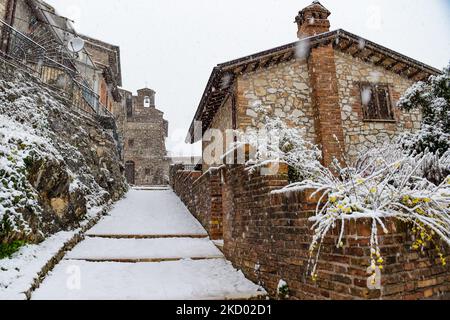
75,44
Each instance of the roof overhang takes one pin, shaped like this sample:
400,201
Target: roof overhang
224,75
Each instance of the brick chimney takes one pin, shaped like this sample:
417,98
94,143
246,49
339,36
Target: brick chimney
312,20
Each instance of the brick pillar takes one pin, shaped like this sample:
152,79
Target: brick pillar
325,96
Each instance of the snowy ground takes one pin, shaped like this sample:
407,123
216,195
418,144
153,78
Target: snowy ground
17,274
149,213
130,255
138,249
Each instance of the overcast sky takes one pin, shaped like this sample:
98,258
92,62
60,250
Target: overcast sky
172,45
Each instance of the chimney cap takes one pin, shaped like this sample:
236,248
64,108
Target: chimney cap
314,7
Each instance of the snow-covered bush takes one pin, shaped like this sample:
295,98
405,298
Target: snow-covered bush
275,142
433,99
379,189
385,183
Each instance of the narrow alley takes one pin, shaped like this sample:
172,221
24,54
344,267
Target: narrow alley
149,247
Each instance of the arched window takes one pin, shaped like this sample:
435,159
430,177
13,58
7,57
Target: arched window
147,102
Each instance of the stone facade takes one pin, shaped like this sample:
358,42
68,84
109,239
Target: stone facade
144,130
108,76
360,134
3,10
285,88
222,122
316,84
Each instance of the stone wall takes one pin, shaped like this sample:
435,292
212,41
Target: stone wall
76,167
285,88
22,17
202,195
267,236
322,96
361,135
222,121
3,9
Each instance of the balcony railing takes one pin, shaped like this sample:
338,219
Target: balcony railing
25,53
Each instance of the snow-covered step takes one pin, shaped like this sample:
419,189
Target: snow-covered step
151,188
144,213
147,236
180,280
143,250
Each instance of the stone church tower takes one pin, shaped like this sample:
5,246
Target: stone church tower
143,132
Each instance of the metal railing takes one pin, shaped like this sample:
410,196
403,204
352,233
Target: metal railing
20,49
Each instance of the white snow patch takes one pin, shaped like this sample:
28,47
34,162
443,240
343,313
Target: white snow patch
135,249
149,213
180,280
18,273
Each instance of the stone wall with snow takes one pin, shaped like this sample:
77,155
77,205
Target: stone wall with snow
55,163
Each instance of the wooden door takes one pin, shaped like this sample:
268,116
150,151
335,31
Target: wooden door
129,172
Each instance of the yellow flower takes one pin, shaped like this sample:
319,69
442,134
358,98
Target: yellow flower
380,267
373,190
426,200
360,181
348,210
333,199
380,260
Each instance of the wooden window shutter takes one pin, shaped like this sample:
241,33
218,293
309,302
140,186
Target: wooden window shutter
376,102
384,104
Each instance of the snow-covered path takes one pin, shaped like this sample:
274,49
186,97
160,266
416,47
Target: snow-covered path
149,247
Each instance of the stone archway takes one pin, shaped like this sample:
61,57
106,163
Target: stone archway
130,172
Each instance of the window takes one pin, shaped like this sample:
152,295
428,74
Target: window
376,102
131,143
147,102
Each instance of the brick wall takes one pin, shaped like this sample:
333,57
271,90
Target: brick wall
325,96
202,194
268,237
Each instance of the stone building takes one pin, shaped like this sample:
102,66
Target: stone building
342,89
34,35
144,131
106,58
